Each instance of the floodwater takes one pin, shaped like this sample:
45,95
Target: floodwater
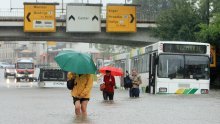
25,103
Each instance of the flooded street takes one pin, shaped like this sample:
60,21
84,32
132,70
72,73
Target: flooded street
25,103
167,48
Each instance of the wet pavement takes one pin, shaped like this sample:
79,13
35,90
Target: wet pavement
25,103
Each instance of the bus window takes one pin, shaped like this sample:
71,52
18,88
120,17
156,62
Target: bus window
140,64
171,66
196,67
146,63
143,63
134,63
183,67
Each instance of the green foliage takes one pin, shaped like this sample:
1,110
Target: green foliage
179,22
210,33
184,19
216,5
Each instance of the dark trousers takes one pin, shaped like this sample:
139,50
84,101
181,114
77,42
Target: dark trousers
134,92
108,95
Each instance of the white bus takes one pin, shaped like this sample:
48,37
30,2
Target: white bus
173,67
122,61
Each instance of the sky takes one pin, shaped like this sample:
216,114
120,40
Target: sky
7,4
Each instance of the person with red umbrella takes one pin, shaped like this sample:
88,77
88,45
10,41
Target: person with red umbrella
109,81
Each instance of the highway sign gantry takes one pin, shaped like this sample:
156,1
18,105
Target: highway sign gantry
121,18
83,18
40,17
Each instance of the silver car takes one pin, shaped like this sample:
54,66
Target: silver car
10,71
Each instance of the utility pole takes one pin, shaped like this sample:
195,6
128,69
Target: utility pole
207,11
207,16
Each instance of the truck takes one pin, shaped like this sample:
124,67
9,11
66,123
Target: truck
25,68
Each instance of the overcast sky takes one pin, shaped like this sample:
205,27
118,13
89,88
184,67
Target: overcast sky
7,4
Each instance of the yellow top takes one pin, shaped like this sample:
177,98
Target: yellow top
83,86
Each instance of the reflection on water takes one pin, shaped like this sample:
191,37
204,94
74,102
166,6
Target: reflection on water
82,120
108,102
12,83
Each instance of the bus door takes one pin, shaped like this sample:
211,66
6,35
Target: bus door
152,72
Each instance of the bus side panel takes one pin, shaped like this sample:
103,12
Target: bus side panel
118,81
145,81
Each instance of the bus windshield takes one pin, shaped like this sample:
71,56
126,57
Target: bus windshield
183,67
25,66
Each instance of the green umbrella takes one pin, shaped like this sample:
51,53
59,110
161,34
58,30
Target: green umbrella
80,63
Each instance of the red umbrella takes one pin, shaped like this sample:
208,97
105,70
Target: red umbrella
114,71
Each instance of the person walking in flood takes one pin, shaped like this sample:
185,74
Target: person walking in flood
109,81
81,92
136,81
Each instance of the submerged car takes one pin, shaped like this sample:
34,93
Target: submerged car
10,71
50,77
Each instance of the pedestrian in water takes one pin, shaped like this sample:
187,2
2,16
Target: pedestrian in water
127,81
81,92
109,81
136,81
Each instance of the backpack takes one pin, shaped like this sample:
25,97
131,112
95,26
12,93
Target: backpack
70,84
127,82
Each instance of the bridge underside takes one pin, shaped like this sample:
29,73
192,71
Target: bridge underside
140,38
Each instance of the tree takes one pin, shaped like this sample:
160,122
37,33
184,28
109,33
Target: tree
210,33
216,5
179,22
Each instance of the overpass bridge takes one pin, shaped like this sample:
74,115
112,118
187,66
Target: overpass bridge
11,29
